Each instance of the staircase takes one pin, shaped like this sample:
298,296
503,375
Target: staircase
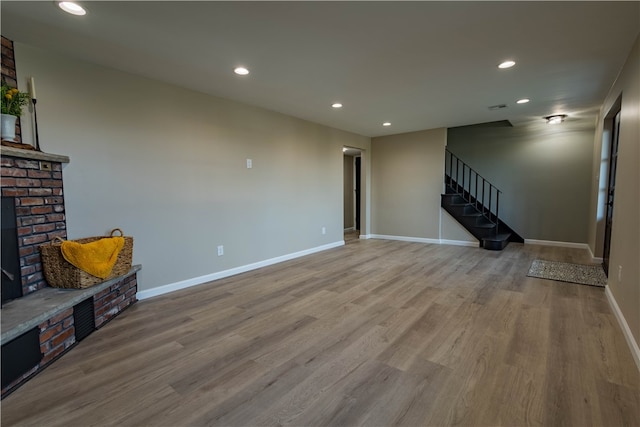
474,202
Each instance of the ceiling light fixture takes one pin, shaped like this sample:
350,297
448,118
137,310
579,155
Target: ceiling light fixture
507,64
386,124
523,101
344,149
336,105
555,119
72,8
241,71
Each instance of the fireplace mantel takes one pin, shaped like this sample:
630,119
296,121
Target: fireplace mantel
32,154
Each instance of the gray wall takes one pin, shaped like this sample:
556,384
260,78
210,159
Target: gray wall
167,165
407,182
544,172
407,171
625,238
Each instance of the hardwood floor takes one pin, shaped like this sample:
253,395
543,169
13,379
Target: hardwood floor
374,333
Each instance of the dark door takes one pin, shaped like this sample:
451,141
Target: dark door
357,172
611,190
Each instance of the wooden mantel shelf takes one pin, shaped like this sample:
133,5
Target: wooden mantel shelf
32,154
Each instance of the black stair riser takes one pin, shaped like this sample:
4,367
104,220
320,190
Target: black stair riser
495,245
479,226
468,209
466,215
469,224
460,201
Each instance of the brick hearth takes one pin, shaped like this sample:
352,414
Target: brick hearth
34,180
51,311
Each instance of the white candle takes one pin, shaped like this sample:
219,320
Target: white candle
32,88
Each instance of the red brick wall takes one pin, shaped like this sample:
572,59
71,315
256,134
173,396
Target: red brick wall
40,214
56,335
8,63
112,301
9,73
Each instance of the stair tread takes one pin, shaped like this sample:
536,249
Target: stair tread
484,225
476,222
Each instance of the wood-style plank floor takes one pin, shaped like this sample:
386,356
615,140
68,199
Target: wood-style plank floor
375,333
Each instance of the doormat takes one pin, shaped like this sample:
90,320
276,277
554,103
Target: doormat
592,275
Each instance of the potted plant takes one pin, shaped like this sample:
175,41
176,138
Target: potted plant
12,102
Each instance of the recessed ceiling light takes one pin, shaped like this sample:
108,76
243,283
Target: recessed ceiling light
523,101
336,105
72,8
241,70
386,124
507,64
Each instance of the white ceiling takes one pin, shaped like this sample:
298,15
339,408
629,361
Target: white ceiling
419,65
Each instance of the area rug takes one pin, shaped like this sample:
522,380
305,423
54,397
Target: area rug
592,275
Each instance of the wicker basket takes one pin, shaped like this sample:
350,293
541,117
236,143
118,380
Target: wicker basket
61,274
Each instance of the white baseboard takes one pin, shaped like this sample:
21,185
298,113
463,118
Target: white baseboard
365,236
404,238
161,290
460,243
595,259
555,243
425,240
633,345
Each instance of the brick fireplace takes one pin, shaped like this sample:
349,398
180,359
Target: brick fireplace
41,323
36,187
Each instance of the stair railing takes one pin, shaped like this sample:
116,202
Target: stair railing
472,187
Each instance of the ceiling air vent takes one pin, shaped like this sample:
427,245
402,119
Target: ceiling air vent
497,107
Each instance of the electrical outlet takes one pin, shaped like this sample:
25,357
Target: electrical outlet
324,230
45,166
220,250
619,273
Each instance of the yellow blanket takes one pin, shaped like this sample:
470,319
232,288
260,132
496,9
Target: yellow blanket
96,258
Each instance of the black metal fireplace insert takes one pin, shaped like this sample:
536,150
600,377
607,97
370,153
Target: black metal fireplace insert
11,275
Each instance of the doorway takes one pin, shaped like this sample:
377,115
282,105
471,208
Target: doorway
353,194
611,190
357,176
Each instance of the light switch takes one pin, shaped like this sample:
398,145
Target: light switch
249,163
